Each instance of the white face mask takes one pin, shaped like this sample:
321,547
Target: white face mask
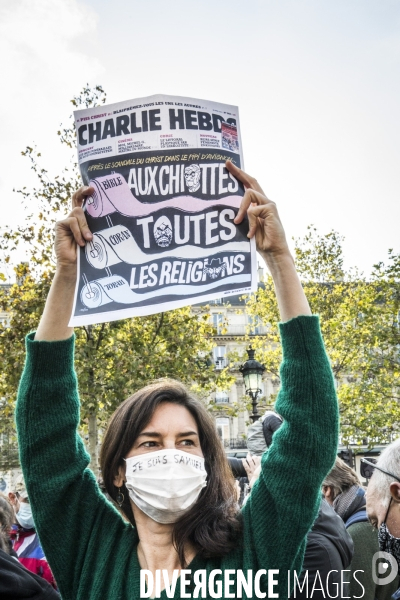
24,516
165,484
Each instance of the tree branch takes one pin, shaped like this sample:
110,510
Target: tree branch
157,331
100,336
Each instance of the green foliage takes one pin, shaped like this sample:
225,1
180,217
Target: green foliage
51,199
115,359
361,329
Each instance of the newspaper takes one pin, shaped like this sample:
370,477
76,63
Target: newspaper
162,210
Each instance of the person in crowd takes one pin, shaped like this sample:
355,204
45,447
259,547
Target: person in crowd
16,582
24,537
383,501
328,552
251,464
342,489
161,457
259,434
6,522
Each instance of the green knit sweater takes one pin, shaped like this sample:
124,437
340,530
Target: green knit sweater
93,552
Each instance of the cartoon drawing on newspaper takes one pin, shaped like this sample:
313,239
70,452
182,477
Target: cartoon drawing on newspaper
162,209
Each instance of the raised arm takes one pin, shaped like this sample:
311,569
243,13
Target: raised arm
70,233
284,501
266,227
71,514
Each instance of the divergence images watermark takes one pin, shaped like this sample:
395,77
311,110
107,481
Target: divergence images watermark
380,568
232,583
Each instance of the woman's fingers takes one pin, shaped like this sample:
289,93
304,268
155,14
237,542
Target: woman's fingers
80,217
79,196
77,224
254,192
255,213
264,222
247,180
73,225
250,197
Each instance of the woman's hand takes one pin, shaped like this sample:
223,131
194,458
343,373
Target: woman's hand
72,231
250,464
271,243
264,222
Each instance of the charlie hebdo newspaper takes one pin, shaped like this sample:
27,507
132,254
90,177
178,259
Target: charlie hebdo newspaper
162,210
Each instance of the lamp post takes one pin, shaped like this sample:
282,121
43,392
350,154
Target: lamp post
252,372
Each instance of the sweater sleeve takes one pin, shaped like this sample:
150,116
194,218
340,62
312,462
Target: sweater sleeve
284,501
70,512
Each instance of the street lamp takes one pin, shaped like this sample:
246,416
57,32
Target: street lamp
252,372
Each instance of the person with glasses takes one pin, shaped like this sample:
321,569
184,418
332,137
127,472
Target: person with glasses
342,489
383,500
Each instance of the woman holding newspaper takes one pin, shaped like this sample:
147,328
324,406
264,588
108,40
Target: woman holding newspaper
162,461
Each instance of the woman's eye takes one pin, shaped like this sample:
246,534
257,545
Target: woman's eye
149,444
187,442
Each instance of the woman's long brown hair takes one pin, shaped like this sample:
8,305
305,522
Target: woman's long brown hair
213,523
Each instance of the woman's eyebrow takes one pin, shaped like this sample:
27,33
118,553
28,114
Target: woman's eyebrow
155,434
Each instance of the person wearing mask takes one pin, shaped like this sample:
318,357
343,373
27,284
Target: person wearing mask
342,489
16,582
383,501
6,522
161,457
24,537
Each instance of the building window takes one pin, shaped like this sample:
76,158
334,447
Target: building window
217,321
222,424
217,301
254,324
219,353
222,397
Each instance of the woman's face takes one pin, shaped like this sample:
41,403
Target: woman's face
171,427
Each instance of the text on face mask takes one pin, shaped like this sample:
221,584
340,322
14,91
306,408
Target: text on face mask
178,459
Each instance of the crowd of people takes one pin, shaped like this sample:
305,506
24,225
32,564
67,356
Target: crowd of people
168,505
24,570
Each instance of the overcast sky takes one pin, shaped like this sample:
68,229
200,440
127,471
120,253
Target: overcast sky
316,81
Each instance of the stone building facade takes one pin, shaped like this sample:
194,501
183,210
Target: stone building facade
233,327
